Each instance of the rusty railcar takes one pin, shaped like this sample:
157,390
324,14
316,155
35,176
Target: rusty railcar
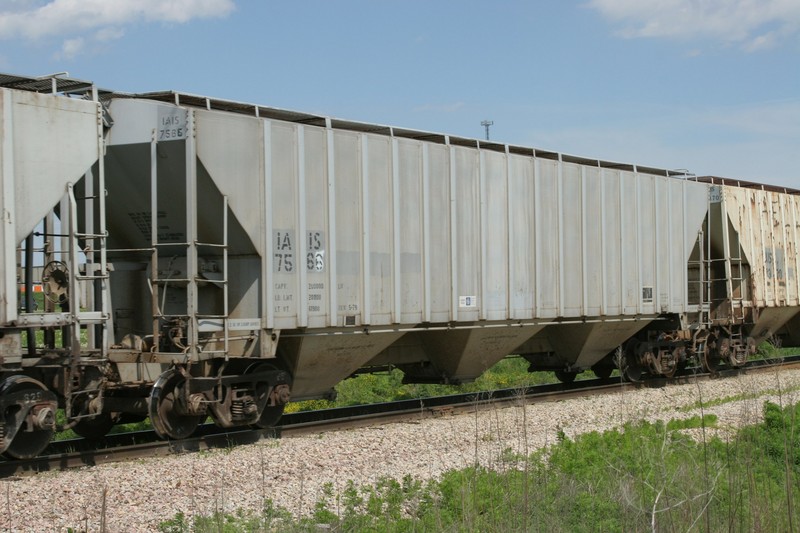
201,257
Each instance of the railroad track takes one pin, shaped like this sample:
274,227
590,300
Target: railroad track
66,454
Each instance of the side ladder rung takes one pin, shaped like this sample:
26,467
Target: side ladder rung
170,244
98,276
215,281
90,317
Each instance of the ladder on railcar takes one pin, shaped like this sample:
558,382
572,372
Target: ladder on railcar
96,316
95,273
162,280
80,290
719,267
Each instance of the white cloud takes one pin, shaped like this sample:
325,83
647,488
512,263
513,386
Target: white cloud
751,24
108,34
64,17
71,48
72,20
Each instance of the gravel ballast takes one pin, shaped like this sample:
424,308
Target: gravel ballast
138,495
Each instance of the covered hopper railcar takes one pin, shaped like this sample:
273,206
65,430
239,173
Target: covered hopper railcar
199,257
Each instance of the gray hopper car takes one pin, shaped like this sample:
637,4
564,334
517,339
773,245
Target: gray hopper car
199,257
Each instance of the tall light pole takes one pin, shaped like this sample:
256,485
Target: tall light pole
486,124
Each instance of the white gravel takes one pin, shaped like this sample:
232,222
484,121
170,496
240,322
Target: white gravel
292,471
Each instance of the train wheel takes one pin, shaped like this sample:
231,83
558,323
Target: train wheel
96,427
752,347
29,441
270,414
725,349
709,359
168,414
565,376
603,372
632,372
628,362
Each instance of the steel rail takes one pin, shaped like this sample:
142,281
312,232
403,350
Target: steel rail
74,453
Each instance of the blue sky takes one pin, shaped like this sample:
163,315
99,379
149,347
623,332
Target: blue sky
712,86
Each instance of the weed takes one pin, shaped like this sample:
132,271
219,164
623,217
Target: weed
388,386
708,420
643,476
177,524
508,455
735,398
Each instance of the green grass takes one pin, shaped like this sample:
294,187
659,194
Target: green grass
692,423
38,301
119,428
363,389
736,398
772,349
643,476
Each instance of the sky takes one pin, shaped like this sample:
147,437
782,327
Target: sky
711,86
